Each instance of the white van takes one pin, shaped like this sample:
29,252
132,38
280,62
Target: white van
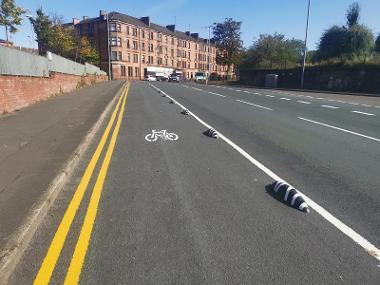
200,77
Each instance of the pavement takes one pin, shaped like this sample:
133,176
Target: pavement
190,209
35,143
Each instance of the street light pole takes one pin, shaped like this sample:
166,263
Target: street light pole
305,47
209,54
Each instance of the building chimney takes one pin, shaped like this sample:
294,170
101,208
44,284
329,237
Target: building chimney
187,33
85,18
194,35
103,14
75,21
171,27
146,21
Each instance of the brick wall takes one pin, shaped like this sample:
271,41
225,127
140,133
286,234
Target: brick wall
17,92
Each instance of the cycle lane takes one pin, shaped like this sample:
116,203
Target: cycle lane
193,211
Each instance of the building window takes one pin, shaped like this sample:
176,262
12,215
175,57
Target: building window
143,58
151,35
172,41
130,71
122,70
114,55
129,57
150,59
188,55
151,47
113,27
137,72
166,39
115,41
172,52
143,46
128,44
134,32
135,45
166,61
127,30
143,34
159,60
172,63
90,28
135,58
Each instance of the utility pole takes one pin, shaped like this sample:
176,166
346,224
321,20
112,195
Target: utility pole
109,48
209,53
305,47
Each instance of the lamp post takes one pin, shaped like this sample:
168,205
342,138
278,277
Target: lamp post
209,53
30,17
305,47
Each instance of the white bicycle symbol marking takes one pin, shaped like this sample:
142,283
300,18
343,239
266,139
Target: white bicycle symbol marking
163,134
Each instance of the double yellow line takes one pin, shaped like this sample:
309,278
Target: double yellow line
48,265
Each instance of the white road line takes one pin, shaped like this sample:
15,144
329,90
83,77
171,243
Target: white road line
363,113
257,93
238,90
303,102
309,97
255,105
352,103
366,105
340,101
349,232
287,99
197,89
339,129
329,107
217,94
246,91
331,100
270,96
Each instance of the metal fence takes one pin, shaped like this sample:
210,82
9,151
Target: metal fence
16,62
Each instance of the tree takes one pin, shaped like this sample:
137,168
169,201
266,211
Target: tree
227,37
377,44
353,14
353,40
61,41
42,26
332,42
88,53
273,51
359,41
10,16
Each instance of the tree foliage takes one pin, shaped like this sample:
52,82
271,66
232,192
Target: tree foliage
377,44
227,37
10,16
53,36
88,53
353,14
273,51
351,41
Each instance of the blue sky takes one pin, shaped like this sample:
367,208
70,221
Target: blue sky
258,16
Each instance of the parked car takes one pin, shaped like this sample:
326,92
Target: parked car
150,78
174,78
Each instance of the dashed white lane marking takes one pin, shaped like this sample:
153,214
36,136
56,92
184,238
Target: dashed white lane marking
195,88
255,105
352,103
303,102
339,129
270,96
349,232
237,90
309,97
366,105
257,93
363,113
246,91
286,99
329,107
217,94
319,98
331,100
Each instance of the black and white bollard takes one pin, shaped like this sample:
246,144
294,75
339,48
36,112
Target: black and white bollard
290,195
212,133
171,102
185,112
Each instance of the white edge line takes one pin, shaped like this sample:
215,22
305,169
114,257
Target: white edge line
216,94
360,240
329,107
303,102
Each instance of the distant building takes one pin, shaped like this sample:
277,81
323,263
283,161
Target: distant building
139,47
5,43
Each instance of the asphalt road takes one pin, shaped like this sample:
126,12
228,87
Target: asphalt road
196,211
